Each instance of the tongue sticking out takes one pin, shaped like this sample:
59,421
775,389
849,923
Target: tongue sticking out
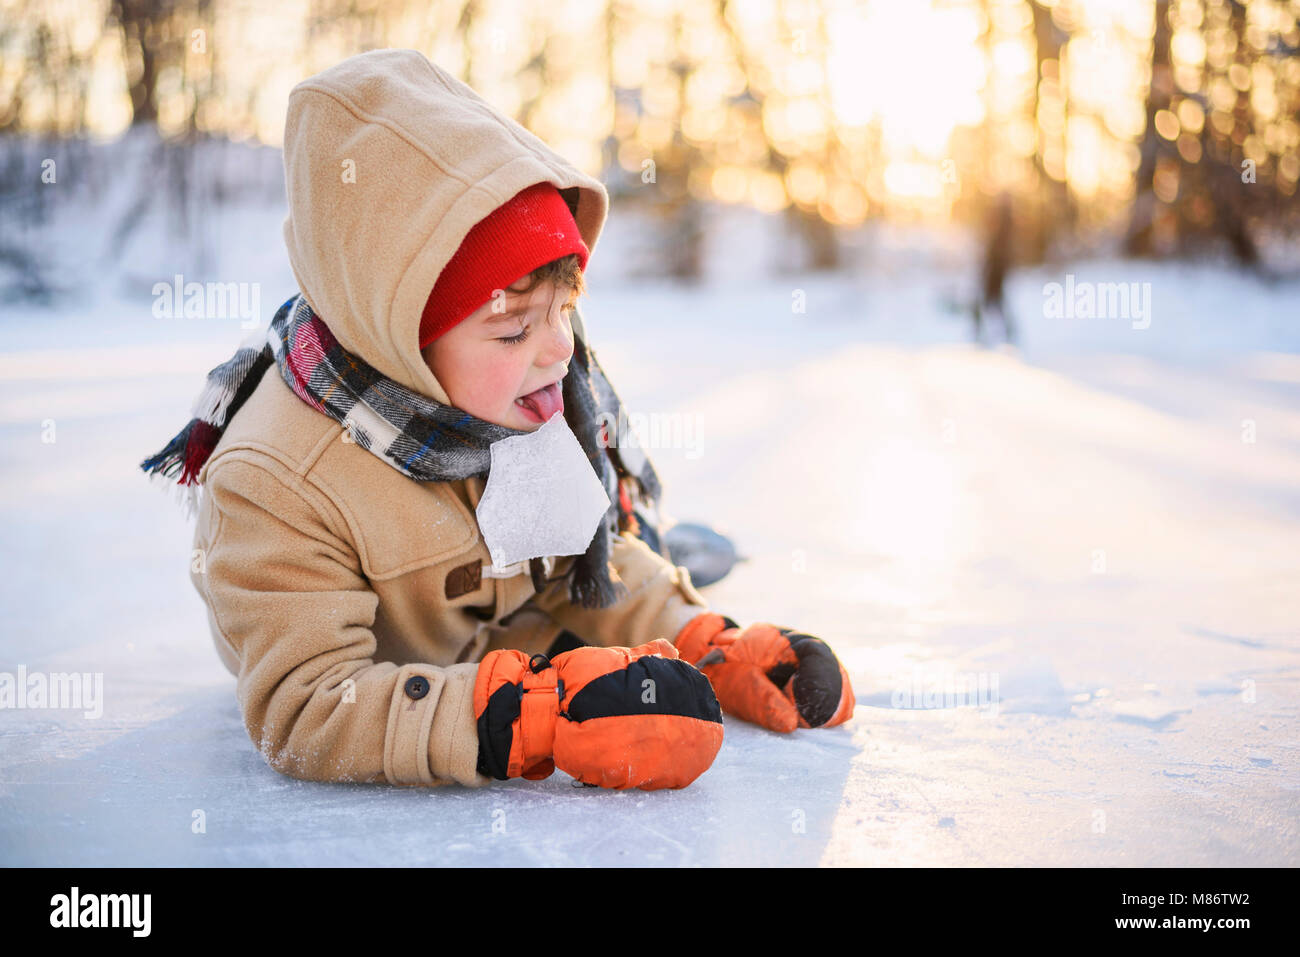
544,403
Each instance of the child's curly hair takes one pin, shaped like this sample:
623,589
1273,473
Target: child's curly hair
565,271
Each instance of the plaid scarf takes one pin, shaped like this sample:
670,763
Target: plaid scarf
421,438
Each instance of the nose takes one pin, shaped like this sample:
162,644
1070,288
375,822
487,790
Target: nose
556,345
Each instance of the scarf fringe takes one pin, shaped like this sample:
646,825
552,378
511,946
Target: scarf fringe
588,590
213,402
186,453
169,461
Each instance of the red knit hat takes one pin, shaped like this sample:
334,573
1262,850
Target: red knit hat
529,230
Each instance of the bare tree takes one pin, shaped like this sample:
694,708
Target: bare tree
1054,211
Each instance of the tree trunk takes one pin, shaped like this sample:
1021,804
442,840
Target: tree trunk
1138,241
139,21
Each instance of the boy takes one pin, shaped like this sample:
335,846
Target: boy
439,248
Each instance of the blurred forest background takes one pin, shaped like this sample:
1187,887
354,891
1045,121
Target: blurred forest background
1055,128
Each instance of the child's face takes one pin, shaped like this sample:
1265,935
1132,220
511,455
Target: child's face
484,374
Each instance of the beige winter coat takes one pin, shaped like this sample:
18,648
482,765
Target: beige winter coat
351,602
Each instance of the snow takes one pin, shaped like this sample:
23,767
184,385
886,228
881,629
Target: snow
1082,525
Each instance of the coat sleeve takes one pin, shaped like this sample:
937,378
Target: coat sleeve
660,601
285,587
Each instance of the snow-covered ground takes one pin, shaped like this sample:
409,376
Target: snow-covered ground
1099,532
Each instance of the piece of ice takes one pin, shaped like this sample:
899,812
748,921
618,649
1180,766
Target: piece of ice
542,496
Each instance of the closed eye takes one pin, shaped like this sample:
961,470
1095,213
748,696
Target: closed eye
527,330
516,339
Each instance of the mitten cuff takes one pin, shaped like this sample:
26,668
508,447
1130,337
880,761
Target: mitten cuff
694,639
516,710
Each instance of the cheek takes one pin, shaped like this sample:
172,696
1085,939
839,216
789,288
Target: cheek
487,382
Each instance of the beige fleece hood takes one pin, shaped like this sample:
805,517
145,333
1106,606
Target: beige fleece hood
389,161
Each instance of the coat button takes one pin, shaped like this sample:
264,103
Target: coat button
417,687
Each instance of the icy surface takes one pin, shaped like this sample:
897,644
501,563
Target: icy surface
1106,523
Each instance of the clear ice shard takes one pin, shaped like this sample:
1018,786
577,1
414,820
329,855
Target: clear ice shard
542,496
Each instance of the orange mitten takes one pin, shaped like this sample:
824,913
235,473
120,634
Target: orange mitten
777,677
613,717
